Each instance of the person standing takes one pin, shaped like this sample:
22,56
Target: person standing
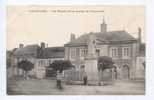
85,78
59,80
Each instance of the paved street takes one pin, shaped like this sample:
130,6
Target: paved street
48,87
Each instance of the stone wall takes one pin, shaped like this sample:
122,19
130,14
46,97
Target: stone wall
73,75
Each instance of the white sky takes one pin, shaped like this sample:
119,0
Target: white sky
24,26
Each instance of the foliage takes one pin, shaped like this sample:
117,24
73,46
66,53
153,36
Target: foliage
61,65
25,65
104,62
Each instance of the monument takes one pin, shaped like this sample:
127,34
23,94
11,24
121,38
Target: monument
91,60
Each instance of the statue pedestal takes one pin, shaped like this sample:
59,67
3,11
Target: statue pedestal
91,59
91,69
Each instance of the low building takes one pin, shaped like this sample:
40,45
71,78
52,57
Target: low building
29,52
48,55
40,56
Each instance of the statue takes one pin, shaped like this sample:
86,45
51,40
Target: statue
92,46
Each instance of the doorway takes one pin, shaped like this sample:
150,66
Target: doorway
125,72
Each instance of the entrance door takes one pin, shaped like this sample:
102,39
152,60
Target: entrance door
125,71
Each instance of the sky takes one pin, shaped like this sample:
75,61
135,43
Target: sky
53,24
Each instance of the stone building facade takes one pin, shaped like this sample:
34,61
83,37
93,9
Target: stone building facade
119,45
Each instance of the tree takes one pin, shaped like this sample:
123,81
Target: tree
61,65
26,66
104,62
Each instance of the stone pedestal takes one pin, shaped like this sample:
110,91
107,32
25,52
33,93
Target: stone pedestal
91,69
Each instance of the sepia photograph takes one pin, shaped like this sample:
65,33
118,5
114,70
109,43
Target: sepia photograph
75,50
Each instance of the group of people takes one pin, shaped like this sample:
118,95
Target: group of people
60,76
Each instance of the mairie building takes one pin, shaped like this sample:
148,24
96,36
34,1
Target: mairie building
119,45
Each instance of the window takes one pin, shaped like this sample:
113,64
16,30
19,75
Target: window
114,52
126,52
97,52
41,63
47,63
84,52
77,52
73,53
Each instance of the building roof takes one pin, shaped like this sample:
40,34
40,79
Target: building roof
108,37
27,51
53,52
38,52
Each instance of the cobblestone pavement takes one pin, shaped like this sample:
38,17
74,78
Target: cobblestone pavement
48,87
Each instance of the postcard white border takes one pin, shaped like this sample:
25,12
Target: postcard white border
149,48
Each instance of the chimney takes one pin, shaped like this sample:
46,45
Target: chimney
72,37
42,45
21,45
103,27
139,35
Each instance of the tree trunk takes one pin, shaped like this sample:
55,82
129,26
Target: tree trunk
26,75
